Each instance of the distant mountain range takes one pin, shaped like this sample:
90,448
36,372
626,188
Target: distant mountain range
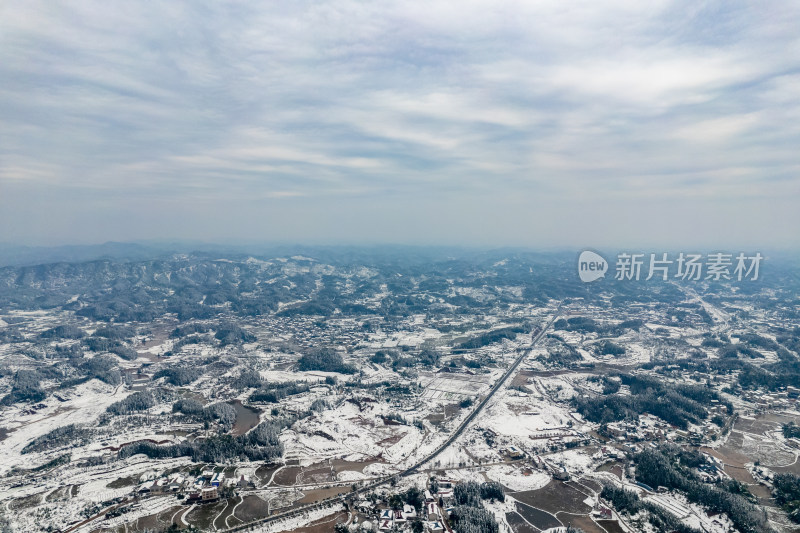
15,255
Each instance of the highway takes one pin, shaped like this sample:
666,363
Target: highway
411,470
475,412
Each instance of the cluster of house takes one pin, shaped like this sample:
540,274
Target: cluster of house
601,512
610,453
555,435
711,471
557,470
780,399
202,488
431,514
514,453
652,429
544,437
390,518
648,427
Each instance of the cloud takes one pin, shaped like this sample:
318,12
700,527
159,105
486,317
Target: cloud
112,112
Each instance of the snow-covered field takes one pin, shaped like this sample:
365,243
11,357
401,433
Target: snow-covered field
511,476
86,403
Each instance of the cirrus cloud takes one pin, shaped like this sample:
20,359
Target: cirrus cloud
468,122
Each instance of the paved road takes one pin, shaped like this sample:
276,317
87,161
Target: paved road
413,469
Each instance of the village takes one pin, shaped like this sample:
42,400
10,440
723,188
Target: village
309,422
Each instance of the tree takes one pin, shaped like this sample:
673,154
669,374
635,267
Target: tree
787,493
415,498
470,519
395,501
325,360
492,490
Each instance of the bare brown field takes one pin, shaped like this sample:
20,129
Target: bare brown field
203,516
227,514
251,508
315,495
763,494
287,476
764,423
758,426
264,473
613,467
357,466
19,504
541,519
581,521
740,449
793,468
123,482
518,525
739,474
555,497
148,523
611,526
391,441
591,484
160,335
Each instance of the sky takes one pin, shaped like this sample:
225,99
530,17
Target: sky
539,124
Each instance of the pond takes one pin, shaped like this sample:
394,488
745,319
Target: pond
246,418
